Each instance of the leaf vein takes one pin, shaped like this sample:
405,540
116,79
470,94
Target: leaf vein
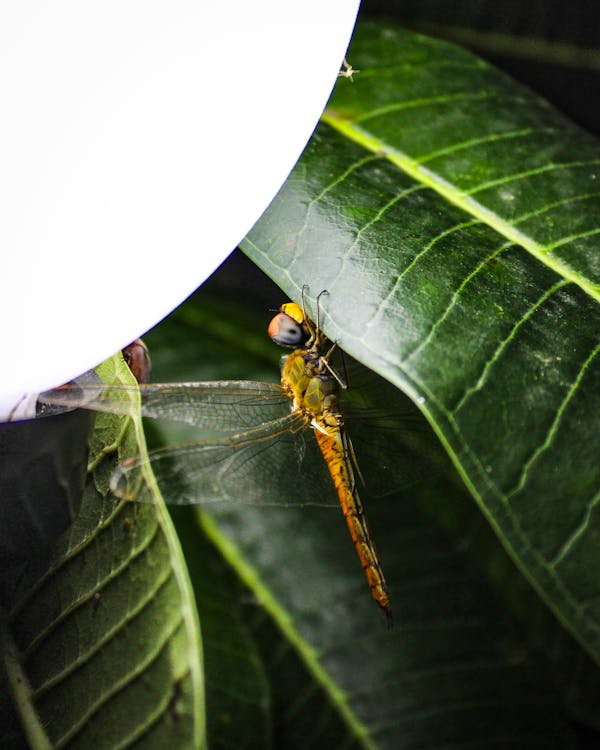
119,685
87,597
555,422
72,552
572,237
575,534
503,344
424,102
152,720
555,204
490,138
107,636
387,301
516,176
455,298
376,218
314,201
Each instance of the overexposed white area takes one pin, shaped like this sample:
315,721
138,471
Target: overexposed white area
139,142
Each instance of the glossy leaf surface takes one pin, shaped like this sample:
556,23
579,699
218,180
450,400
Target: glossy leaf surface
453,217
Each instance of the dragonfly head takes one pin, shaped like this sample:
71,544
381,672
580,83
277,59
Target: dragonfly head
289,327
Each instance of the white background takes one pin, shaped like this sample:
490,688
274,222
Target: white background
139,143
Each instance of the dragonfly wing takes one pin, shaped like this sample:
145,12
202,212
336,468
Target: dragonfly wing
386,457
276,463
220,406
393,445
224,405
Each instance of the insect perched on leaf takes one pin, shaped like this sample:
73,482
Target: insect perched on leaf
261,443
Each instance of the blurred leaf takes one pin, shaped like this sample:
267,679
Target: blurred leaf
452,215
101,648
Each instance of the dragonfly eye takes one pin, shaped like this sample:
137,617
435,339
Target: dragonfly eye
285,331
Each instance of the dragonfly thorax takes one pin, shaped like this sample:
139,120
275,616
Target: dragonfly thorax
314,391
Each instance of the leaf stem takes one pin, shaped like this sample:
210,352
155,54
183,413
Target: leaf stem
21,689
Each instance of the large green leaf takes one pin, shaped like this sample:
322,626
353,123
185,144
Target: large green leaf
453,217
100,644
454,670
296,653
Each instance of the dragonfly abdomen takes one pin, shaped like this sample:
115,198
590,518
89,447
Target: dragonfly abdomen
333,445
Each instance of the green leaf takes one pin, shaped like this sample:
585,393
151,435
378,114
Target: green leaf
238,693
101,645
453,217
455,669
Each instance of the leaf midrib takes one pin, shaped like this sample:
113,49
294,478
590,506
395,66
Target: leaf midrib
459,198
284,622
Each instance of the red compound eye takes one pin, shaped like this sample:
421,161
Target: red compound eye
286,331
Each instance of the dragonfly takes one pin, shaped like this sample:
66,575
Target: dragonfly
313,387
287,441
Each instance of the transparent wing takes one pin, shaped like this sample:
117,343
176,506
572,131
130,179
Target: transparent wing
219,406
271,457
393,444
388,453
276,463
